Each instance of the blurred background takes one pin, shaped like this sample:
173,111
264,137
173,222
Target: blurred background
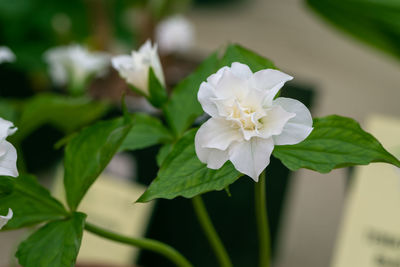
344,55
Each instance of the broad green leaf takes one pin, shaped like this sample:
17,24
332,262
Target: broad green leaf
374,22
183,107
146,131
56,244
182,174
88,153
158,94
335,142
237,53
65,113
163,153
30,202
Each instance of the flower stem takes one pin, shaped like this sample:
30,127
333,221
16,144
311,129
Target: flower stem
210,232
144,243
262,222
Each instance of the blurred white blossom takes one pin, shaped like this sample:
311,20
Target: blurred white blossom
8,154
175,34
135,68
75,65
246,122
5,219
6,55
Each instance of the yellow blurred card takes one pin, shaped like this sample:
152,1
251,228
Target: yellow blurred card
370,230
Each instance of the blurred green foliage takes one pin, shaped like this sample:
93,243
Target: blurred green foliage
375,22
29,27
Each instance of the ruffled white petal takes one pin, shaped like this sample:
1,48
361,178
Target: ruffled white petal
4,219
297,128
231,86
8,159
275,121
214,78
251,157
205,95
270,81
241,70
217,133
214,158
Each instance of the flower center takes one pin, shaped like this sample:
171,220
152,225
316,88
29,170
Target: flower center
244,117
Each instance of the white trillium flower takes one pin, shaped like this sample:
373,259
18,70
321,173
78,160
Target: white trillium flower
246,121
6,55
4,219
135,68
75,64
175,34
8,153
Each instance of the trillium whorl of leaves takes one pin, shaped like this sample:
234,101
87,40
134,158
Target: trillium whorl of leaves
246,122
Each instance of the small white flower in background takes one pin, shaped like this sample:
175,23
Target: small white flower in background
175,34
8,154
135,68
6,55
246,122
5,219
75,64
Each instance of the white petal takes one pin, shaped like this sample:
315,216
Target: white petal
156,65
297,128
231,86
214,158
122,63
217,133
270,81
251,157
214,78
5,219
8,159
241,70
6,128
205,95
275,121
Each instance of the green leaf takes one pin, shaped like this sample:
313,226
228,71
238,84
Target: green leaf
375,23
56,244
182,174
183,107
163,153
30,202
65,113
237,53
158,94
335,142
146,131
88,153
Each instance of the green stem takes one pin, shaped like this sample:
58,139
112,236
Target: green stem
210,232
262,222
144,243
